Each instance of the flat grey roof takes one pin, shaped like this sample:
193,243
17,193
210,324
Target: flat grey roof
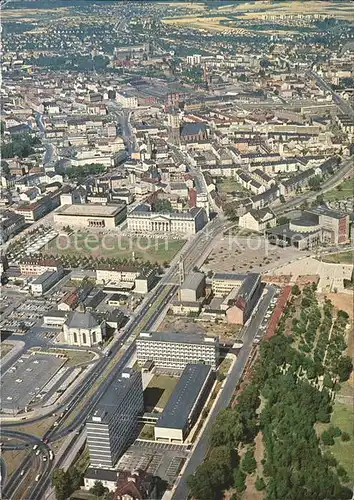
229,276
114,395
176,337
184,396
90,210
192,281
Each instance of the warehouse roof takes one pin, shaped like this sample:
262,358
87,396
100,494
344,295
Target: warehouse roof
182,400
90,210
177,337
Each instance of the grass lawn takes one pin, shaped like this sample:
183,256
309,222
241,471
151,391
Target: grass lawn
13,459
159,390
74,357
115,246
346,191
343,417
229,185
5,349
340,258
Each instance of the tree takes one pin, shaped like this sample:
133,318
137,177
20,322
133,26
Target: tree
248,462
327,439
75,478
204,484
344,368
295,290
62,484
260,484
281,198
239,480
98,489
315,183
345,436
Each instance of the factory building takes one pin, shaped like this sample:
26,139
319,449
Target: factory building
91,216
113,425
173,351
185,403
143,220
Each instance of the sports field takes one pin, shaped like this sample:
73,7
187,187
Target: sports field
115,246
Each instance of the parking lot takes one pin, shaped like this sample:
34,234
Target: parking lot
24,380
25,316
263,326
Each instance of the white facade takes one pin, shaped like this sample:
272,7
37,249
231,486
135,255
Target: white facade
82,329
258,222
173,351
183,223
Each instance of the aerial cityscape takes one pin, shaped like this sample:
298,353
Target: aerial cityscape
176,250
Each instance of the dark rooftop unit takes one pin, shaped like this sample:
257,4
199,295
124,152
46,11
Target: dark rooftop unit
180,405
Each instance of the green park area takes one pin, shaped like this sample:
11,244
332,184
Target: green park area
341,192
340,258
229,185
114,246
159,390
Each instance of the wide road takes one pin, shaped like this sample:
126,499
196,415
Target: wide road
201,448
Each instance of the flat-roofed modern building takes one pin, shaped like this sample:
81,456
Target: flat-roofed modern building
173,351
185,403
90,215
223,283
45,281
113,425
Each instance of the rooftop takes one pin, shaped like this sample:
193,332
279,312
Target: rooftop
192,281
114,396
184,396
229,276
177,337
90,210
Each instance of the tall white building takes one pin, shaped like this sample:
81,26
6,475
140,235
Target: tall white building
173,351
113,425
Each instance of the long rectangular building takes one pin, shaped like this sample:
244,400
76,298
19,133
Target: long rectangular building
91,215
173,351
142,220
223,283
113,425
185,403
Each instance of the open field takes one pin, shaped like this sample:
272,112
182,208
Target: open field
74,357
111,246
223,18
5,349
159,390
340,258
346,191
